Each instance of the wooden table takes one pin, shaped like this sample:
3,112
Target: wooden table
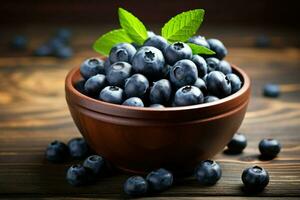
33,112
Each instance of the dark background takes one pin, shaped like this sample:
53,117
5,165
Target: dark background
239,12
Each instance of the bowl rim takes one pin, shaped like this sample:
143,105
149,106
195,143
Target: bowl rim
74,96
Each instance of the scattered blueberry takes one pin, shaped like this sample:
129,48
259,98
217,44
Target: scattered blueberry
55,44
136,186
188,95
122,52
237,144
78,148
218,84
94,85
157,41
156,106
112,94
149,61
235,82
218,47
90,67
199,40
262,41
201,85
19,42
117,73
224,67
77,175
208,172
136,86
159,180
255,178
94,164
57,152
64,34
209,99
269,148
63,52
160,93
43,50
212,64
201,65
184,72
177,51
271,90
134,101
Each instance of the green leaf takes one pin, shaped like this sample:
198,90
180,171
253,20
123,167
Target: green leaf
133,26
183,26
108,40
197,49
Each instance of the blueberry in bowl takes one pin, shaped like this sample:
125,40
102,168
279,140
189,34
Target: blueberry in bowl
171,110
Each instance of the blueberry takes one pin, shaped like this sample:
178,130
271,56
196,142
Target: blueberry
188,95
63,52
157,41
201,65
204,78
43,50
122,52
19,42
77,175
237,144
235,82
94,85
117,73
255,178
57,152
199,40
134,101
112,94
106,65
150,33
55,44
218,84
156,106
212,64
218,47
184,72
271,90
262,41
78,148
160,92
269,148
177,51
149,61
209,99
90,67
79,86
201,85
64,34
136,186
95,164
136,86
224,67
159,180
208,172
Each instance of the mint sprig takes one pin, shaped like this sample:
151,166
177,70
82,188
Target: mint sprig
108,40
197,49
133,26
183,26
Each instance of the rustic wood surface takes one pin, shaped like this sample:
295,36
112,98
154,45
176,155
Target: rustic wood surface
33,112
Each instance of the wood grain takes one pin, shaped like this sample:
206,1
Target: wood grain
33,112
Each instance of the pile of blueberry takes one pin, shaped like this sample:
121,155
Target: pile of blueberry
208,172
159,74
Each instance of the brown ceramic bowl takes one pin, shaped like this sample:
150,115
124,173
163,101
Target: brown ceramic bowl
138,139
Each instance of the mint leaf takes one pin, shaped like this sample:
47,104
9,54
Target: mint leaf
133,26
197,49
183,26
108,40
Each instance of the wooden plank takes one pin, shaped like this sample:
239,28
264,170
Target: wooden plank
34,112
